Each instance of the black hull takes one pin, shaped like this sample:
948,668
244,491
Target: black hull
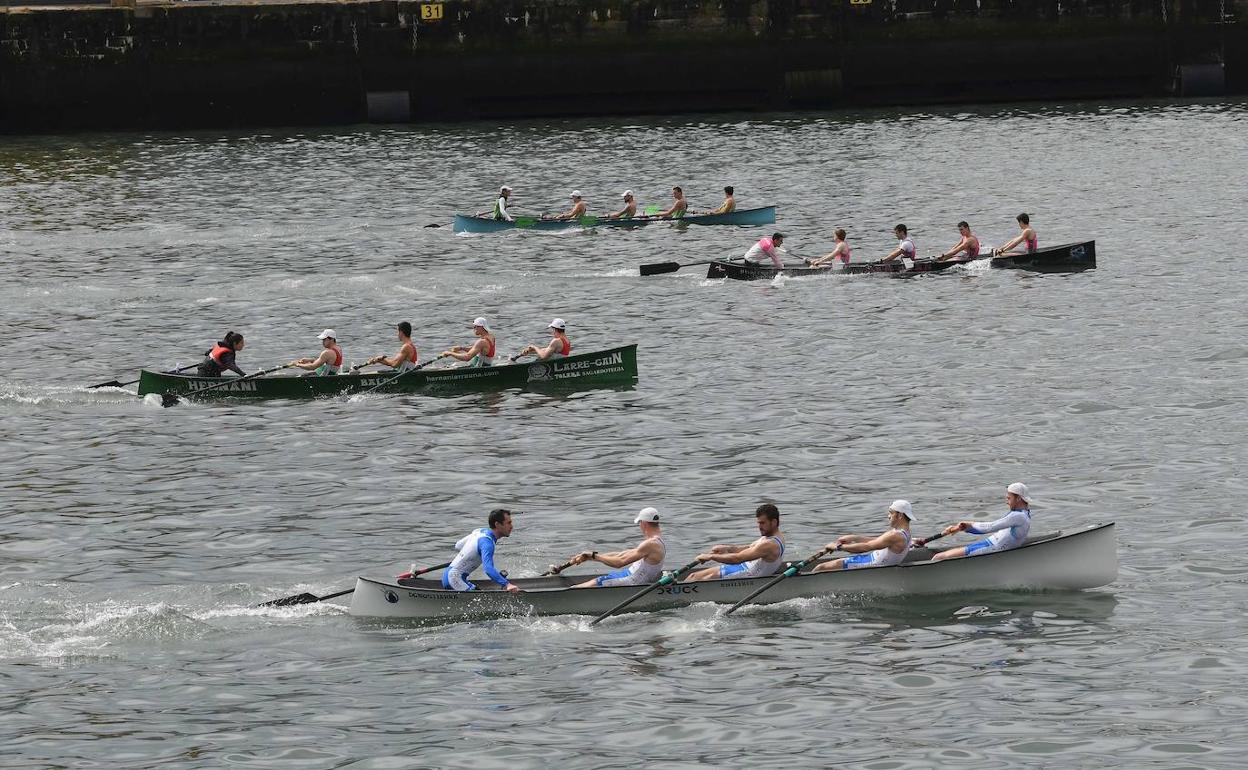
1067,258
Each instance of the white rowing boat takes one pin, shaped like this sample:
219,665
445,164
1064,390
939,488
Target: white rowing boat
1087,558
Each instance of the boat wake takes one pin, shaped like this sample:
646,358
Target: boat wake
61,395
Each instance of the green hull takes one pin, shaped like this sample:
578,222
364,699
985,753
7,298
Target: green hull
585,370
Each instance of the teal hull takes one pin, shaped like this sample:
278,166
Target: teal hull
603,368
465,223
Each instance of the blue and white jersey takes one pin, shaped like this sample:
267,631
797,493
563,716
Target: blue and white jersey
1007,532
475,550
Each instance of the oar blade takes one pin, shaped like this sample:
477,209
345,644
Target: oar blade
288,601
109,384
659,268
169,399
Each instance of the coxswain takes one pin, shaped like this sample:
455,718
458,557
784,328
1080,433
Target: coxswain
330,359
500,206
578,207
841,252
629,210
407,356
969,244
905,246
640,565
476,549
559,346
730,203
768,246
758,559
878,551
679,205
1009,531
479,353
221,358
1027,237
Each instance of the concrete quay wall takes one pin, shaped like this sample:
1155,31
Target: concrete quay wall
194,64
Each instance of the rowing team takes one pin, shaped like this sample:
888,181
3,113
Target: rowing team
481,352
643,563
968,244
676,210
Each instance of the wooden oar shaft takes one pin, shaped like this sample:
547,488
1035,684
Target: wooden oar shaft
116,384
401,375
665,580
556,570
306,598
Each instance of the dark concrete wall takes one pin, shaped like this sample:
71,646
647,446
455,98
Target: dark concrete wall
212,65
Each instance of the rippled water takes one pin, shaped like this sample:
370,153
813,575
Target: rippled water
135,540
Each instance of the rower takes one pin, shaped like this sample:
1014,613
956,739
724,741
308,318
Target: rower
476,549
1005,533
1027,237
842,252
968,244
730,203
758,559
578,207
559,346
405,359
642,564
479,353
330,359
221,358
905,246
769,246
679,205
880,551
500,206
629,210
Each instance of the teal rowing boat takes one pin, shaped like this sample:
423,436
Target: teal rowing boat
467,223
603,368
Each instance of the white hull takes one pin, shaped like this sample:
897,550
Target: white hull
1087,558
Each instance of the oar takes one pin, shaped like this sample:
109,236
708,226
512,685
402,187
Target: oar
306,598
116,384
659,268
665,580
569,563
171,399
512,359
415,368
925,540
790,572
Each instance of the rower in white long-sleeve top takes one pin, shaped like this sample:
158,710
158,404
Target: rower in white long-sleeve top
1009,531
476,549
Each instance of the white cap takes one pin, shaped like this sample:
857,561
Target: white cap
504,188
902,507
1020,490
480,321
558,323
326,334
627,193
575,194
647,514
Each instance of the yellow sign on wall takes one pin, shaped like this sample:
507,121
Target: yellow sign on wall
433,11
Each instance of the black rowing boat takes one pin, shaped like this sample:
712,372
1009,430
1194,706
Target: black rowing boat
1067,258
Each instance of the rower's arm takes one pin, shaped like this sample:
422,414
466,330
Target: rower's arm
467,355
723,208
775,257
765,549
502,209
485,548
546,352
233,367
893,255
1014,241
619,559
988,527
323,358
887,540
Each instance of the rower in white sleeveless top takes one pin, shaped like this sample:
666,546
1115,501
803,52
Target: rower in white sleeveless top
905,246
405,359
559,346
763,557
1009,531
642,564
479,353
880,551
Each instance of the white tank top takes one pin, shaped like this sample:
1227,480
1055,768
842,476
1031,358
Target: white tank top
885,556
760,568
405,365
643,571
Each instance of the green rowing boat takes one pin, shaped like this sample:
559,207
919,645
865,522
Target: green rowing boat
585,370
